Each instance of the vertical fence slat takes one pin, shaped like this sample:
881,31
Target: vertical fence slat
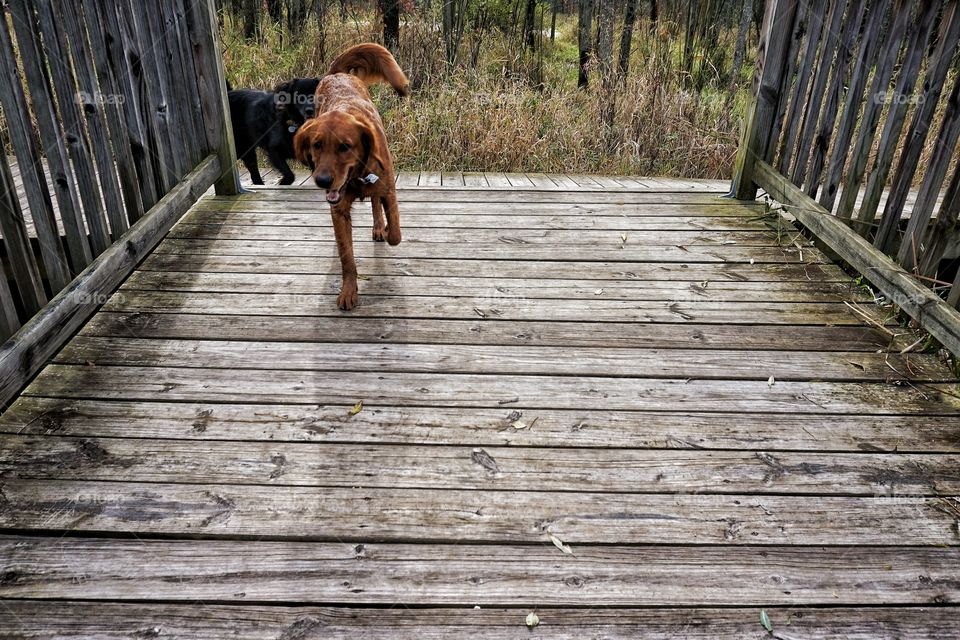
9,322
92,103
838,81
855,98
799,93
116,121
796,41
817,88
74,134
157,58
29,162
933,177
44,107
17,241
954,298
943,227
773,49
208,67
121,58
938,66
156,139
188,99
889,138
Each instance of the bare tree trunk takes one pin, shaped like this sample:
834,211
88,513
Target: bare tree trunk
605,20
626,40
296,16
447,10
320,11
274,9
553,21
453,24
740,48
251,14
529,25
391,22
583,36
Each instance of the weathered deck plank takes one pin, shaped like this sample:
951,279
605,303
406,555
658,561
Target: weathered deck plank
545,469
695,408
491,360
472,390
501,517
117,621
468,575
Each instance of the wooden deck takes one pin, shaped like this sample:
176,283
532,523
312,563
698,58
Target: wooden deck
640,412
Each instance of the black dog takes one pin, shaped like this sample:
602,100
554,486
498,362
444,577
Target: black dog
268,119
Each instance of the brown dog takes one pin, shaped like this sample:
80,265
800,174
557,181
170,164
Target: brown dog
346,150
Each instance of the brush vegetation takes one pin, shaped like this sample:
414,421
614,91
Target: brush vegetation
504,106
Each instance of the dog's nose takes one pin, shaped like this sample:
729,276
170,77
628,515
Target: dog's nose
323,181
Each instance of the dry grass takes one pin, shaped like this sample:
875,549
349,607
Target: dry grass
494,117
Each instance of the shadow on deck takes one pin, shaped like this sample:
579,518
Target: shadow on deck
640,411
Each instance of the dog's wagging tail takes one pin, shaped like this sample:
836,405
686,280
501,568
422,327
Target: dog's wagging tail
346,150
371,63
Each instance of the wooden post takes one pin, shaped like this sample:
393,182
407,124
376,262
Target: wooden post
211,83
772,57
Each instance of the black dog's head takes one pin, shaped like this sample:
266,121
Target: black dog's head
295,99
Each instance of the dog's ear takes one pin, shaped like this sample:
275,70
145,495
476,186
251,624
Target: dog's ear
373,153
283,95
302,146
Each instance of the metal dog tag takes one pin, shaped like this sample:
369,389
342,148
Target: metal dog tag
371,178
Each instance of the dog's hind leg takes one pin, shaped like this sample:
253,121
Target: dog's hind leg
280,163
379,222
250,162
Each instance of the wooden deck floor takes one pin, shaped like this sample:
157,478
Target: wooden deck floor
639,414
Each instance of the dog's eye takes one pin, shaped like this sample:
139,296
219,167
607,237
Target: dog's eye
318,146
344,147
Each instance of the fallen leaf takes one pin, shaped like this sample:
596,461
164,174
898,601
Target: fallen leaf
532,620
485,460
623,237
598,292
771,381
765,621
479,312
751,260
558,543
518,425
357,408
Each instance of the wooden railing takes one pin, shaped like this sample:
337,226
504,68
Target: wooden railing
843,89
123,101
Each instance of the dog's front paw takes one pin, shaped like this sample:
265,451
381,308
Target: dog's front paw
348,299
393,236
379,234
